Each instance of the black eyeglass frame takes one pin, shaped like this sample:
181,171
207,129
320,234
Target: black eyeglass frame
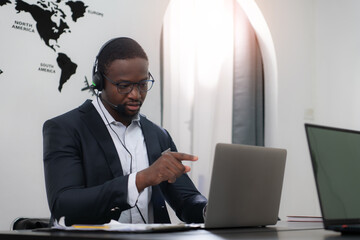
118,84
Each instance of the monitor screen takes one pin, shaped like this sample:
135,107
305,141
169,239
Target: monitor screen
335,156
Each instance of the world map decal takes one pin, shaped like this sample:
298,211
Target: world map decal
51,21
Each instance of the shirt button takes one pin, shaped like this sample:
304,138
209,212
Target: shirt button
114,209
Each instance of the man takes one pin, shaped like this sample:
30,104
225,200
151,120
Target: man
106,161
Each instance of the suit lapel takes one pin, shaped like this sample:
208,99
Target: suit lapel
95,124
150,137
154,149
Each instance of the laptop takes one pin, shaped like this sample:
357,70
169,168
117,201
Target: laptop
245,187
335,157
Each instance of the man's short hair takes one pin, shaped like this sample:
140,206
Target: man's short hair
119,48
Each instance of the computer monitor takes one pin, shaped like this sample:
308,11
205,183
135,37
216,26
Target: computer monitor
335,156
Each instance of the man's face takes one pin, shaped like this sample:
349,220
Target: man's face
126,70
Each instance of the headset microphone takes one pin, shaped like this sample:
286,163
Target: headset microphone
120,108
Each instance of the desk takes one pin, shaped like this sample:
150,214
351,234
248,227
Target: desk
282,230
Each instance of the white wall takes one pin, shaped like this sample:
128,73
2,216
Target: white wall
338,63
316,44
29,97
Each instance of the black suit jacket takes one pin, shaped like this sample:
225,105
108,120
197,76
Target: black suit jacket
84,178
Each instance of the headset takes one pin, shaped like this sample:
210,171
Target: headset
97,77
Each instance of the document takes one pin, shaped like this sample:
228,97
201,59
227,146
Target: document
116,226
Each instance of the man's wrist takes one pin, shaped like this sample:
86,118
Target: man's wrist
140,181
133,193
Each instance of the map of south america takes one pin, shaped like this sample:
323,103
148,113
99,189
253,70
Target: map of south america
44,13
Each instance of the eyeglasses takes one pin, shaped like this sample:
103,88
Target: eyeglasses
125,87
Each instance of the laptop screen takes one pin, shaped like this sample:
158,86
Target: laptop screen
335,156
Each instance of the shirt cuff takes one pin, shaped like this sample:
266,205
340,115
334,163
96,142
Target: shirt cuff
133,193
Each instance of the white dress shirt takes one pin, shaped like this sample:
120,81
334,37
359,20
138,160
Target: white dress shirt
130,145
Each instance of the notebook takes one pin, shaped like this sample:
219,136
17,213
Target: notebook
245,187
335,157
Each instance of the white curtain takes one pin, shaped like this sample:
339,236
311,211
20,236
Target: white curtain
248,84
197,79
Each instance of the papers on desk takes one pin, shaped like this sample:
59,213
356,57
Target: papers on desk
116,226
304,219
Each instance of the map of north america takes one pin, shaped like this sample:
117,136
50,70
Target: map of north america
51,23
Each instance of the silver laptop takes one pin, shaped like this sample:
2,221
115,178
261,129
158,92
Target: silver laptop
246,186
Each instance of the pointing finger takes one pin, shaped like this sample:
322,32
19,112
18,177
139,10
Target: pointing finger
183,156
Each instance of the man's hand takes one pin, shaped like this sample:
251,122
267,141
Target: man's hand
166,168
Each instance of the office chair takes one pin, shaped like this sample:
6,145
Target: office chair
29,223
